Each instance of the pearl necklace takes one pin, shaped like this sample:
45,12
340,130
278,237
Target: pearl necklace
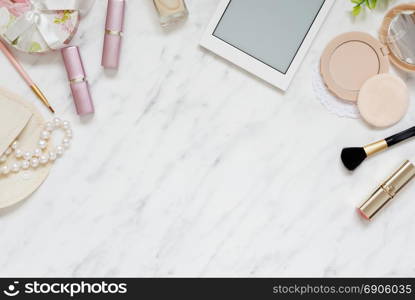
40,156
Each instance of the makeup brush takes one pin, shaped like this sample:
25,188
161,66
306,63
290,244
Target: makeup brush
25,76
353,157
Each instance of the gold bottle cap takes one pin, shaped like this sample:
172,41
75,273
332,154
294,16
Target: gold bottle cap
387,191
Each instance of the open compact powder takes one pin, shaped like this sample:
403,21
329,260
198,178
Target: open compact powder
350,60
383,100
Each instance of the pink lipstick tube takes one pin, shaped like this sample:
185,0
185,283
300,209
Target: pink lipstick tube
113,34
78,81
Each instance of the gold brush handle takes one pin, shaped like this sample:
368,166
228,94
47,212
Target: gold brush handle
41,96
375,147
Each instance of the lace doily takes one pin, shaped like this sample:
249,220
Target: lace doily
333,104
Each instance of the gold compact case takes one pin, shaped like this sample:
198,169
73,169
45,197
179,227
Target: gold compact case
387,191
397,33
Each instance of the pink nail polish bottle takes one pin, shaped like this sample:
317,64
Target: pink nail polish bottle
78,80
113,34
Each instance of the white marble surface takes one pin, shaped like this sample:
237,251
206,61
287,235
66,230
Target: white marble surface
192,167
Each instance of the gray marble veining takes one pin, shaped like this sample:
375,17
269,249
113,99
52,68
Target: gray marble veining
193,167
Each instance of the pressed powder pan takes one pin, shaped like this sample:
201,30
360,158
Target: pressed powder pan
349,60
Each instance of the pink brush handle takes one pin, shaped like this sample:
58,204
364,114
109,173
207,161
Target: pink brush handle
16,64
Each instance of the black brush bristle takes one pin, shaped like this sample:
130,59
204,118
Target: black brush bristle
353,157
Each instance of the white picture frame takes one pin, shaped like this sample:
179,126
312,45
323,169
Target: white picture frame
253,65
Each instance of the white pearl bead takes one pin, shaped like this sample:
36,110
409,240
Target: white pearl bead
27,155
33,159
37,152
52,156
59,150
66,143
15,167
44,159
15,145
66,125
34,162
18,153
49,126
45,135
42,144
25,164
56,122
68,133
5,170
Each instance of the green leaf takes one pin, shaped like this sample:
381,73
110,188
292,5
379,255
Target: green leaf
359,5
356,10
35,47
371,4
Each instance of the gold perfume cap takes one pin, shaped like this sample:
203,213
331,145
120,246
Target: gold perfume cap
387,190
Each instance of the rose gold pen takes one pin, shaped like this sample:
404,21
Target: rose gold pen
25,76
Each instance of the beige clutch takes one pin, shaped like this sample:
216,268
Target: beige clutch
19,120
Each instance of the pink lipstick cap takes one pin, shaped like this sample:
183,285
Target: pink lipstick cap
113,34
78,82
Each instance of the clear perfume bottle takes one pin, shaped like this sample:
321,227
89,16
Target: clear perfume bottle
171,11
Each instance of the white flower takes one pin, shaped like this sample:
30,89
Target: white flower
4,19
